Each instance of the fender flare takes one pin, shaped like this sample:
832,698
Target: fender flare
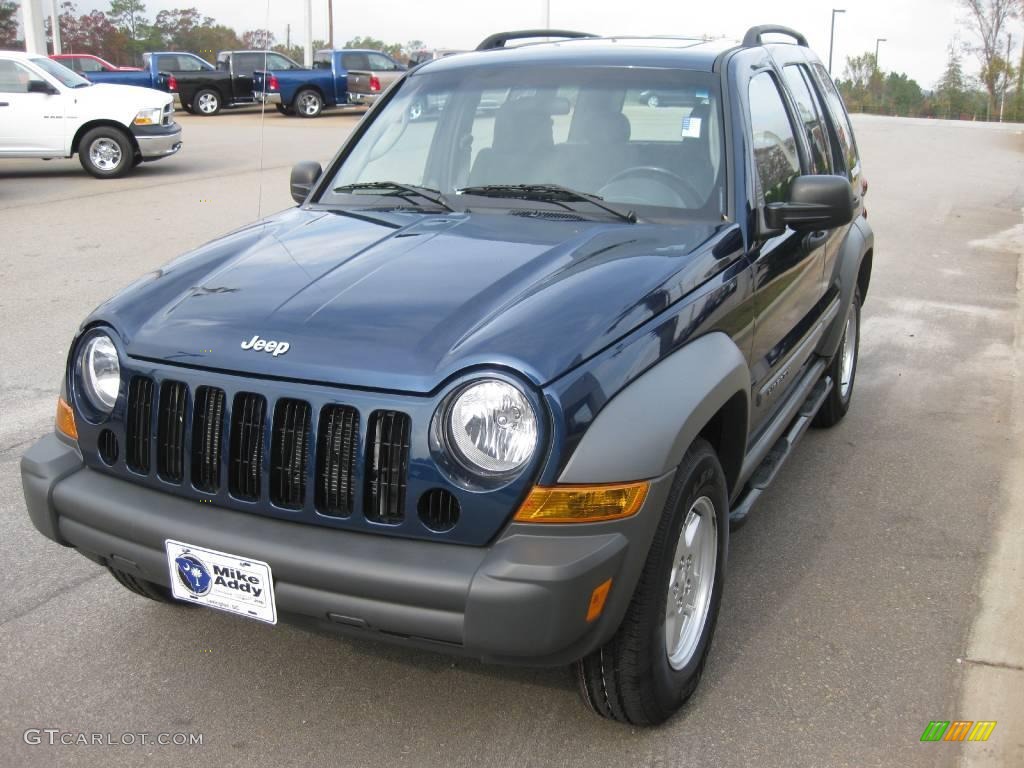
859,242
644,431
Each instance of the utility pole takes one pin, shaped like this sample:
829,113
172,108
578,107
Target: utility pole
288,36
55,24
547,14
832,36
877,41
1006,77
330,24
308,58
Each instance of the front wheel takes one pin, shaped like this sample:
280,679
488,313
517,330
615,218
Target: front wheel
842,369
308,103
656,658
207,102
106,152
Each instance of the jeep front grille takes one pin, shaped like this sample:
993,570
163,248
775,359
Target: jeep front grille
388,466
207,431
337,447
245,460
170,431
138,423
306,455
289,452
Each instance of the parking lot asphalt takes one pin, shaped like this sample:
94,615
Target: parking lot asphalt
849,618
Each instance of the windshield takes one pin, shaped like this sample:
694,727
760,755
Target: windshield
649,140
64,75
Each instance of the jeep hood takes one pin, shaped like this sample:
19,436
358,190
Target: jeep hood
402,302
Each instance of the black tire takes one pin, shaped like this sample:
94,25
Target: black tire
630,678
284,110
838,401
144,588
106,152
207,102
308,103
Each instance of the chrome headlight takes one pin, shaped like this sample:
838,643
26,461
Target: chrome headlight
101,372
492,428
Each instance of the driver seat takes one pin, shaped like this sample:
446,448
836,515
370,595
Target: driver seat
523,139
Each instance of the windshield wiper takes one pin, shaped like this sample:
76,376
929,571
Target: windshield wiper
395,189
550,193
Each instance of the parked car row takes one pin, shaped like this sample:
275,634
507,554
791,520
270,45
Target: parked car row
48,111
338,78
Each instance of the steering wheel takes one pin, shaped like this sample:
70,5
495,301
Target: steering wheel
688,195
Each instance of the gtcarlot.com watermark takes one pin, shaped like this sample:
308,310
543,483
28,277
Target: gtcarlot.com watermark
58,737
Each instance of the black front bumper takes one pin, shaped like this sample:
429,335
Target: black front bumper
523,599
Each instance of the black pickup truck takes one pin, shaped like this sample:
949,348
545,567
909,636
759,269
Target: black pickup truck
230,84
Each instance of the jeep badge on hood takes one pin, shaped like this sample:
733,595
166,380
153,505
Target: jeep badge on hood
262,345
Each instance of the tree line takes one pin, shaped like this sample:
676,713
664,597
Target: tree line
124,32
992,37
996,92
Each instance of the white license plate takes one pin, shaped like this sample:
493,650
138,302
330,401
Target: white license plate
219,580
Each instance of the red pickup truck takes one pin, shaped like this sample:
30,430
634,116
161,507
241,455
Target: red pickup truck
86,62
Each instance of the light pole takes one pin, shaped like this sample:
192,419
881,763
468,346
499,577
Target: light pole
832,36
547,14
877,41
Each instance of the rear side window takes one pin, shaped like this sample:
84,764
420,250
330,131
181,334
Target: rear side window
775,149
357,61
381,63
844,132
277,62
247,63
811,118
86,65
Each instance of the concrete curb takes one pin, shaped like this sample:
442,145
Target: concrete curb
993,684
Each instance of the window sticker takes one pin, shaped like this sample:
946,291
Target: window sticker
691,127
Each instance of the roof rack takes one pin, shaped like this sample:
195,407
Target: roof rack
753,36
499,39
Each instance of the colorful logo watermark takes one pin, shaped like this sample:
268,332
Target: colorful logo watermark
958,730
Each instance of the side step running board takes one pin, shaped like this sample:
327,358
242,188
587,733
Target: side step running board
769,467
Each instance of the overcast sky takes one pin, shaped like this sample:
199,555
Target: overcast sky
917,31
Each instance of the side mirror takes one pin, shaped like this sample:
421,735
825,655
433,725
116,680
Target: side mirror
304,176
815,202
41,86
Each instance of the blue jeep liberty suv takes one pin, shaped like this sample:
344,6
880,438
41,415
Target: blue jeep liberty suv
502,380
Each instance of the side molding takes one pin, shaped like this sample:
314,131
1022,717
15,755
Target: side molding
647,427
858,242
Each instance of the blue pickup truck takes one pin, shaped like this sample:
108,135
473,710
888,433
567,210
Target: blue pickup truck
158,71
338,78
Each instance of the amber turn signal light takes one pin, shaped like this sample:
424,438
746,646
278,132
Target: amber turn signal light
66,419
597,600
582,503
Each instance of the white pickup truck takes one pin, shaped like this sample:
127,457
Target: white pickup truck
48,111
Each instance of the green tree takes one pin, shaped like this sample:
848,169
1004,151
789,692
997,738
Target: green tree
8,23
373,44
128,16
903,95
988,21
951,90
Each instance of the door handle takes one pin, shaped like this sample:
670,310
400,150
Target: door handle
4,104
815,239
